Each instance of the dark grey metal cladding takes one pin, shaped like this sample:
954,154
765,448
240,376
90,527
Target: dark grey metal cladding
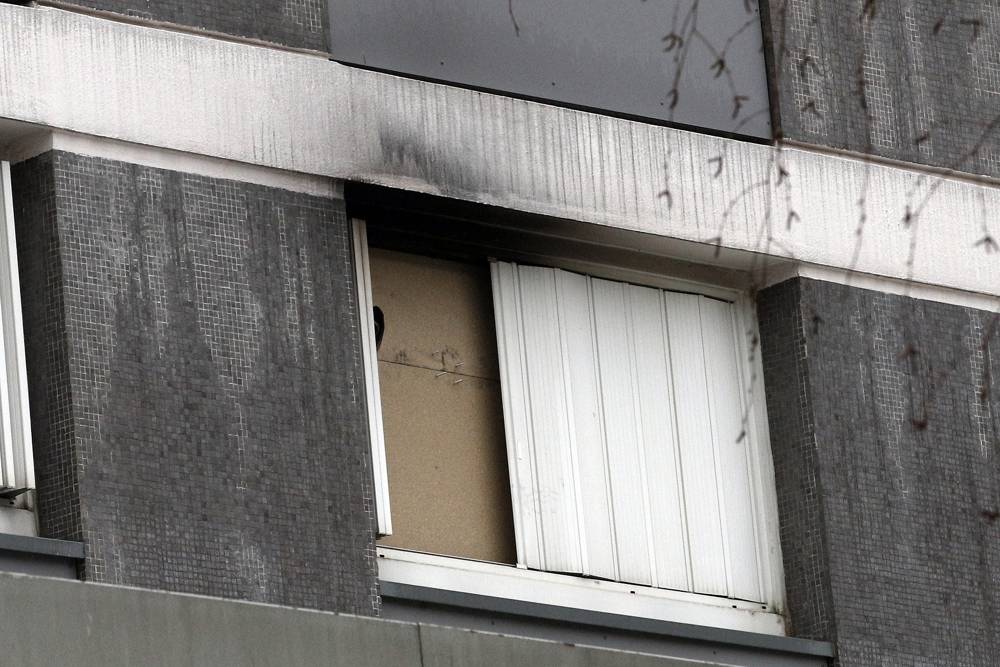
295,23
883,414
600,54
193,347
913,80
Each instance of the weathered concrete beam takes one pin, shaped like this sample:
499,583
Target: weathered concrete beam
304,114
57,622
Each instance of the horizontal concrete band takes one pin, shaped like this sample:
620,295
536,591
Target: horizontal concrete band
40,556
54,622
42,546
304,114
806,647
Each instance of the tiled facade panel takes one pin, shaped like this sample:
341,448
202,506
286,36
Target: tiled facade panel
46,348
297,23
790,420
914,80
906,467
219,428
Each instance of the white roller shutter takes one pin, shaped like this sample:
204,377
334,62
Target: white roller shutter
625,432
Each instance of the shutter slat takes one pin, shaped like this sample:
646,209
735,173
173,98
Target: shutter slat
517,416
592,457
694,427
553,466
621,431
724,383
664,485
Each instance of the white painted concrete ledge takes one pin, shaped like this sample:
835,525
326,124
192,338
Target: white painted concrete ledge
301,114
561,590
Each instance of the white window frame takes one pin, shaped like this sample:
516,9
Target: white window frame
369,355
17,469
517,582
510,582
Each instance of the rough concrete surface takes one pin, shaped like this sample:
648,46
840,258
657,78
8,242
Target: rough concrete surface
53,622
306,114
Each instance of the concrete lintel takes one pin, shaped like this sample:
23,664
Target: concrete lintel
302,114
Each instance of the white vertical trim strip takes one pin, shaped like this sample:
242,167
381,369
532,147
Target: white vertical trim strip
15,330
761,464
713,421
507,391
592,466
634,370
512,397
553,471
749,437
678,460
536,491
11,464
520,436
659,443
727,390
8,466
373,394
628,496
571,423
609,498
708,572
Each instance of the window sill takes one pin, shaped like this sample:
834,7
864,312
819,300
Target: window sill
493,580
40,556
14,521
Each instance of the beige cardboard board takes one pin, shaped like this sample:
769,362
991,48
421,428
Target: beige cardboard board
438,313
446,455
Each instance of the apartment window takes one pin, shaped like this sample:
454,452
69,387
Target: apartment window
441,408
16,465
596,429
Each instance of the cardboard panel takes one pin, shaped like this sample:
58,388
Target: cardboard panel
446,456
438,313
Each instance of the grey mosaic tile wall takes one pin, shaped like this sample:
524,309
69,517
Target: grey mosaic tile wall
46,348
790,420
904,417
298,23
914,80
218,426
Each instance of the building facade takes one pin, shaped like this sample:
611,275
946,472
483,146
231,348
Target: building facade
664,328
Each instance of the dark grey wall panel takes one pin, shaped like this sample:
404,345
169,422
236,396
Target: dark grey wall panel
298,23
209,357
897,405
919,80
39,250
793,447
602,54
